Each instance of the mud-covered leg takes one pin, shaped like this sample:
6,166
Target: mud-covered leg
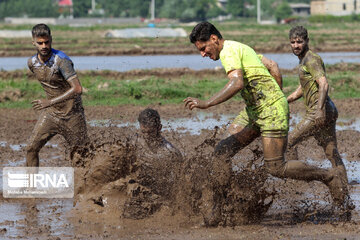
302,131
74,131
43,131
278,167
220,172
327,139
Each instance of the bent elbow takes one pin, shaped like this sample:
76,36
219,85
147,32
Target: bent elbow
239,86
274,64
78,90
324,85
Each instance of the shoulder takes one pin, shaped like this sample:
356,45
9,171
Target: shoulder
61,57
231,46
63,61
172,150
230,50
311,58
60,54
32,61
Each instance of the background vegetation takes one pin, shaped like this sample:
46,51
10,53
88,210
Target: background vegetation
91,40
111,88
185,10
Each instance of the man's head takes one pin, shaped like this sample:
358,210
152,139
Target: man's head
207,39
299,40
41,39
150,124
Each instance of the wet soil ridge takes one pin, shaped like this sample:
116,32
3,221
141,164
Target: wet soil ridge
121,175
167,72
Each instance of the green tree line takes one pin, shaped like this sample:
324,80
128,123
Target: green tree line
185,10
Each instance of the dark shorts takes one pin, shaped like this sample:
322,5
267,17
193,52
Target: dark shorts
73,129
307,127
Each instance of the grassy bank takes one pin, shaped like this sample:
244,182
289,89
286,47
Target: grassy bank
333,36
18,89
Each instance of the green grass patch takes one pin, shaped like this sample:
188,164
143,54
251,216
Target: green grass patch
101,91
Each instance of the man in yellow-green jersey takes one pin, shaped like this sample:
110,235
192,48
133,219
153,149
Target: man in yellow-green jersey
266,115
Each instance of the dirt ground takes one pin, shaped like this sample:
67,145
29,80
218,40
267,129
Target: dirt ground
120,206
93,43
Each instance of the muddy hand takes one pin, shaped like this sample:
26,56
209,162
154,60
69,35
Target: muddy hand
320,117
40,104
192,103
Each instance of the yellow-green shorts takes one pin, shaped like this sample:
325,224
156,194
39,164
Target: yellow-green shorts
272,121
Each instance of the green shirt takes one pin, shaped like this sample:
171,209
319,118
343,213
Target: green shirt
260,88
311,68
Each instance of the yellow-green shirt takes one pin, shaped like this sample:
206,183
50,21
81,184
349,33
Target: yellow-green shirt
260,88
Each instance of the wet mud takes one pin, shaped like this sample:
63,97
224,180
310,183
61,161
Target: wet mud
116,199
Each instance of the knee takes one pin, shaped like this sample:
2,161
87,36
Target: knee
234,128
290,142
31,149
330,150
275,166
227,147
291,153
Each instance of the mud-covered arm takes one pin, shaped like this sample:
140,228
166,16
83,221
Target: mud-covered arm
74,91
234,85
323,92
176,155
316,68
274,69
295,95
30,65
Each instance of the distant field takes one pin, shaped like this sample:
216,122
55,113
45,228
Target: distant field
263,38
161,86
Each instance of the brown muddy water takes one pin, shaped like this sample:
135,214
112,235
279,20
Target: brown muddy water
122,207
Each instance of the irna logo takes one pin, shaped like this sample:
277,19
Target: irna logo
44,182
37,180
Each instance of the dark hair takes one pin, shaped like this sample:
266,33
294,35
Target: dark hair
149,117
298,31
202,32
41,30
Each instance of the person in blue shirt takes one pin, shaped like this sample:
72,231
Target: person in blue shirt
61,112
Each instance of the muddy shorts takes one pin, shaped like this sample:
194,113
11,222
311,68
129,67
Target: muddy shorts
73,129
307,127
272,121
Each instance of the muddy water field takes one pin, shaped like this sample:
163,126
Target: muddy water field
121,194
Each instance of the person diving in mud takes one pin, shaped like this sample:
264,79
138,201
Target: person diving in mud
266,115
321,113
159,161
62,111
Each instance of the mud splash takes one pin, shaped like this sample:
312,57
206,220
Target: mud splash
298,210
204,120
121,176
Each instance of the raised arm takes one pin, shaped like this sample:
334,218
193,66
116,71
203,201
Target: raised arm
295,95
273,68
323,92
73,92
234,85
316,68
